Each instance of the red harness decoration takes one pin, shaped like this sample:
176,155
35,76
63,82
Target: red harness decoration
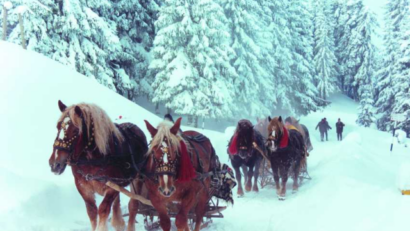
285,139
186,170
233,149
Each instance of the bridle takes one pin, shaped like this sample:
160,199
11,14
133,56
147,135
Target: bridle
67,144
164,165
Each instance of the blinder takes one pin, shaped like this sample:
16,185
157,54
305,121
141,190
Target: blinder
164,165
65,144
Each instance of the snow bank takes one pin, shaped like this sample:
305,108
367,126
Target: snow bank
353,187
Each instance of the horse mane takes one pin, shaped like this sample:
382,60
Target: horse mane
103,126
164,131
296,123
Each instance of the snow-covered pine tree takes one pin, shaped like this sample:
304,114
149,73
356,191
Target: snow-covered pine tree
366,108
395,16
359,51
325,59
193,75
305,94
342,34
135,26
246,26
280,69
363,79
401,83
77,33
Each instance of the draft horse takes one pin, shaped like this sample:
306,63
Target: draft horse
285,148
245,149
97,151
177,168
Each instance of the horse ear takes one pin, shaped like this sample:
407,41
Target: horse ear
153,131
61,106
78,111
280,118
269,119
177,125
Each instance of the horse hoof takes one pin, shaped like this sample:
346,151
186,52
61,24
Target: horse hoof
255,190
281,198
294,191
248,189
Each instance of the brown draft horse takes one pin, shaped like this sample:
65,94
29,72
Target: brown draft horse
286,148
97,150
176,173
242,152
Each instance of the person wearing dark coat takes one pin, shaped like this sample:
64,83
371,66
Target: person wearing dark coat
323,126
339,129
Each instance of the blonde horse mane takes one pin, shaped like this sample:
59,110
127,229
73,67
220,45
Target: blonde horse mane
103,126
164,131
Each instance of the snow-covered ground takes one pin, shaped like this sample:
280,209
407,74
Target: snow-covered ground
354,182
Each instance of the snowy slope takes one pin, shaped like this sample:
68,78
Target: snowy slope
353,186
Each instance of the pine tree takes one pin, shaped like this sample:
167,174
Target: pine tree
248,43
193,75
300,21
363,79
395,25
77,33
135,26
401,83
325,60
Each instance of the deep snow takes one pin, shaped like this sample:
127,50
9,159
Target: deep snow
354,186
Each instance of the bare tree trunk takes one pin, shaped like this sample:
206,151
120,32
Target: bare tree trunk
169,110
23,40
196,121
157,108
4,23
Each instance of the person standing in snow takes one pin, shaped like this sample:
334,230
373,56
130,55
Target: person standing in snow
323,126
339,129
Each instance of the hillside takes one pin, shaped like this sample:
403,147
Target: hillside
353,184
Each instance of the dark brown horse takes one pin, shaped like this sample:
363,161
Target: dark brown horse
176,172
97,150
242,152
286,148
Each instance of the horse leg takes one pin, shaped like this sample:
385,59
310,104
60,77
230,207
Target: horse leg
284,171
296,175
117,220
239,179
248,186
89,199
275,171
133,205
164,220
256,176
181,220
200,209
245,172
105,208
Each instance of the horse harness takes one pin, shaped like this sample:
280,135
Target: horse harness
107,160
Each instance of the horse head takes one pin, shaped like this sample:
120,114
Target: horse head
83,129
164,153
262,126
68,137
275,132
243,139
